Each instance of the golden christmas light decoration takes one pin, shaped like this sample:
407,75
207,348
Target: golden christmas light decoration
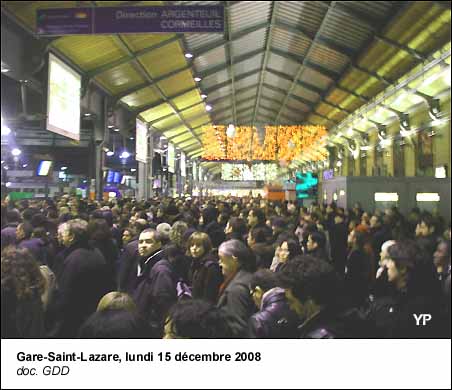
284,143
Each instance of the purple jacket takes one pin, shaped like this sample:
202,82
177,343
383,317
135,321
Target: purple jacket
275,320
8,234
37,247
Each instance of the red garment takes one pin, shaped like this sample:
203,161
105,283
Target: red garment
226,283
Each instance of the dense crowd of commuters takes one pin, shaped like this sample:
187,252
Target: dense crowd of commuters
221,268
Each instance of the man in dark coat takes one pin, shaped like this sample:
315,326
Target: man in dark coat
238,264
8,233
83,281
274,318
256,219
426,236
264,252
316,246
338,233
379,233
135,265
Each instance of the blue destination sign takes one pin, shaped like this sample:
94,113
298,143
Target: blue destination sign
123,20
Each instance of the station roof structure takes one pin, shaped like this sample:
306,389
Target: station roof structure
278,62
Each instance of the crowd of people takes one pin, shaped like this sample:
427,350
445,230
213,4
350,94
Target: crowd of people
221,268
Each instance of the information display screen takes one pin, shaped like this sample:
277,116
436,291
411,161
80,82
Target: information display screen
44,167
63,99
183,168
171,159
110,176
141,142
117,177
264,172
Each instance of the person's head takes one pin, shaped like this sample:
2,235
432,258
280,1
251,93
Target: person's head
404,264
288,248
98,230
256,235
262,281
198,245
24,231
384,251
375,221
441,257
316,240
223,218
425,227
196,319
128,234
164,230
177,233
114,324
256,217
208,215
72,232
358,237
149,242
235,256
116,300
236,226
13,216
310,283
278,225
338,218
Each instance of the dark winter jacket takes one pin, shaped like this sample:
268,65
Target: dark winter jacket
205,277
83,281
156,293
8,234
275,320
338,234
358,276
37,248
237,303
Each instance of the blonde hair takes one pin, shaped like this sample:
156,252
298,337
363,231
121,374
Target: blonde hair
116,300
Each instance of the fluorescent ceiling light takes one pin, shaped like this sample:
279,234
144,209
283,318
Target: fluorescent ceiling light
427,197
386,197
440,172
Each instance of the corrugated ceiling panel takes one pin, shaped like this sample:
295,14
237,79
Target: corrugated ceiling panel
175,131
177,83
291,43
248,65
328,58
254,41
214,79
194,112
276,81
247,82
282,64
168,123
273,94
308,14
246,93
183,137
226,103
316,79
194,123
378,9
245,14
323,109
138,42
210,59
306,93
297,105
143,97
120,79
265,113
221,92
157,112
197,41
164,60
270,102
267,106
90,51
187,99
346,30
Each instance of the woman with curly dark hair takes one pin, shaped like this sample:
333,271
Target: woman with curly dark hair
22,286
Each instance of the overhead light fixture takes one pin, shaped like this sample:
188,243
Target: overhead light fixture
208,107
116,129
110,126
428,197
5,130
133,170
16,152
350,132
110,153
198,79
8,184
386,197
5,70
366,147
124,155
203,96
188,55
87,114
63,168
24,165
132,138
230,131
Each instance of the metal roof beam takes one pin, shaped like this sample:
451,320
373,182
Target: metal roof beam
326,42
308,64
268,41
218,68
375,75
237,92
172,114
111,65
324,117
230,57
305,60
227,82
145,74
303,84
